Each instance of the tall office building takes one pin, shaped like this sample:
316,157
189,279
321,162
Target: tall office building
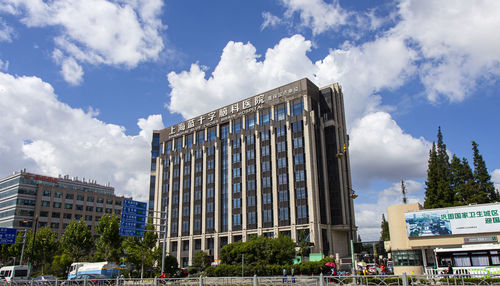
273,164
54,202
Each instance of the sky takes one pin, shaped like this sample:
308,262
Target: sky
84,83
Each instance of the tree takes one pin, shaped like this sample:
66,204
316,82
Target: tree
462,181
482,178
44,248
109,243
438,192
201,260
77,240
60,265
140,251
384,232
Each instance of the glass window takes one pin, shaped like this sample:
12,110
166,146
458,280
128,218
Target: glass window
44,214
79,197
250,139
280,112
90,199
46,193
251,218
250,124
69,196
56,215
265,116
297,107
100,200
56,205
45,203
189,141
68,206
251,201
67,216
237,126
79,207
237,219
296,126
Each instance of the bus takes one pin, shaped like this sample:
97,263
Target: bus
474,260
15,272
108,269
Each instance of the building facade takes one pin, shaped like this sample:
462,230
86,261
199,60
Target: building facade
427,241
273,164
53,202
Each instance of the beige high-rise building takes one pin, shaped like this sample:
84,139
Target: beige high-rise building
276,163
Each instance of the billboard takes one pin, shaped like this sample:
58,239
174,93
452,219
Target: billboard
461,220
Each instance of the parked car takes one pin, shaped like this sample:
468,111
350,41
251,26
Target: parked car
45,280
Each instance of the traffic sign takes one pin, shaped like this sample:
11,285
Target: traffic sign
133,219
8,235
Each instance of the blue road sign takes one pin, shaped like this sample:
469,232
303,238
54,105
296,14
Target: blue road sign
133,219
8,235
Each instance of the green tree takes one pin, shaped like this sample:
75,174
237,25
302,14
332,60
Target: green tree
384,232
60,265
462,181
303,244
283,250
438,191
140,251
44,248
77,240
482,178
109,243
201,260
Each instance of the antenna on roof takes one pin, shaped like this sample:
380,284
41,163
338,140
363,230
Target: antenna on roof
403,191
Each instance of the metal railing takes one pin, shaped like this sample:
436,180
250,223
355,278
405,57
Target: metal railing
300,280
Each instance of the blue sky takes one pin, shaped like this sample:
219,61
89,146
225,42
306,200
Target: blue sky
84,83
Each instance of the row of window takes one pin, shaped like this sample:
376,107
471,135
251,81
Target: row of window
68,196
58,205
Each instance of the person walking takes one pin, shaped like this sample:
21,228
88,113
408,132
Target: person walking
450,269
284,275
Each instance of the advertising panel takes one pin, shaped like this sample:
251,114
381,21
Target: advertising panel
462,220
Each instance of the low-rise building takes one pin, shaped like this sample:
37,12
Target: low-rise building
54,202
428,241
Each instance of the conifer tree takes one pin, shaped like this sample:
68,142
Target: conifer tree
438,191
482,179
462,181
384,232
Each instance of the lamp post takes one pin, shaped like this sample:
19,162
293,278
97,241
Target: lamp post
350,196
32,247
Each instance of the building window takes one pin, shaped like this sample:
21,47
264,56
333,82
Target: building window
79,198
299,176
267,216
250,185
175,213
250,139
280,112
90,199
57,195
236,172
197,224
266,166
237,126
185,226
236,157
298,159
237,219
109,201
56,205
44,214
264,135
300,193
297,107
210,223
197,195
210,164
46,193
67,216
282,162
280,131
284,214
197,209
185,211
89,208
251,201
266,182
250,154
407,257
101,200
210,192
79,207
88,218
250,124
282,179
210,207
297,142
302,211
236,143
236,188
210,178
201,137
266,198
283,196
251,218
54,225
281,146
250,169
297,126
265,116
45,203
68,206
236,203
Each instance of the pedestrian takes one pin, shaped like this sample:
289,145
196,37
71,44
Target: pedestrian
293,276
450,269
284,275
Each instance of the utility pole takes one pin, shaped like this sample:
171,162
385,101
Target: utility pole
22,249
403,191
242,264
32,247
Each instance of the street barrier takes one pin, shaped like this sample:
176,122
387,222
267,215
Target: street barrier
299,280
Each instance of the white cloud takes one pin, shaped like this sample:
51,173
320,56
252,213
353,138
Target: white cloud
362,71
369,215
495,177
4,66
381,150
66,140
6,32
316,14
270,20
72,71
122,33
